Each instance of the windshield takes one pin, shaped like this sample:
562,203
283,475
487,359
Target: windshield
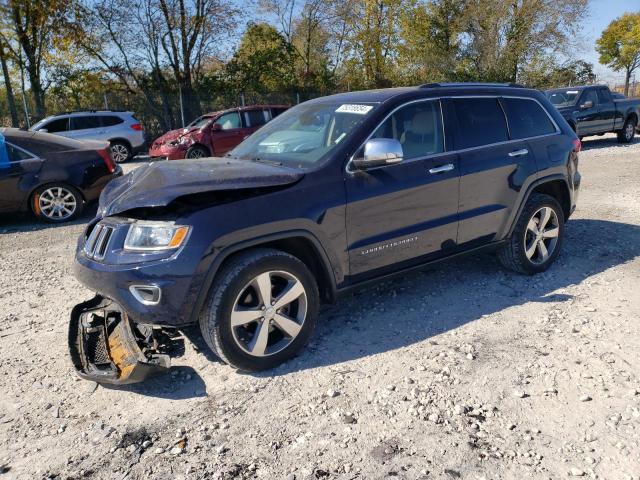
304,135
562,97
199,122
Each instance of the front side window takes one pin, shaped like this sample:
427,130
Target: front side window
560,98
85,123
589,96
481,121
603,95
55,126
418,128
200,122
16,154
229,121
306,134
527,118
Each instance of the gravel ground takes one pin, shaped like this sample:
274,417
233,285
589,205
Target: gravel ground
464,370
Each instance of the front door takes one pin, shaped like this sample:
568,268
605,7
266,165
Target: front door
406,212
588,118
226,133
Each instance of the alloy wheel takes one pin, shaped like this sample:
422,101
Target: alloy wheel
57,203
119,153
269,313
629,130
196,153
541,237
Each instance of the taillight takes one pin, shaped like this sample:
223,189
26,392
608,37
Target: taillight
577,145
108,161
137,127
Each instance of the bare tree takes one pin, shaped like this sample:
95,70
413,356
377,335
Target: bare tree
7,84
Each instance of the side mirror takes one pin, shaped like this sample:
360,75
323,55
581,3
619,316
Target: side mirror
587,104
216,127
379,152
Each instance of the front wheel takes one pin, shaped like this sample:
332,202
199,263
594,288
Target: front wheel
537,237
197,151
628,131
261,310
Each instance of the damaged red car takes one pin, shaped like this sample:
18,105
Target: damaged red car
213,134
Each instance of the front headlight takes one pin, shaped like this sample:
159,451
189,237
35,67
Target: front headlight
155,236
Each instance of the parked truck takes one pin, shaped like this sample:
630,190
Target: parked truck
594,110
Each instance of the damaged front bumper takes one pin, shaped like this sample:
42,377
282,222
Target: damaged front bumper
107,348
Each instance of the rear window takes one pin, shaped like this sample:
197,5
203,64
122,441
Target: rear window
603,95
85,123
527,118
480,122
110,120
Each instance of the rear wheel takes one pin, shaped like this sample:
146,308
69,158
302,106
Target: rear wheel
56,203
197,151
120,151
261,310
628,131
537,237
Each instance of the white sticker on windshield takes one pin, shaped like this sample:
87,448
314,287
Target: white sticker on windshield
573,91
358,109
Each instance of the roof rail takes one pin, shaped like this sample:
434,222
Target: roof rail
89,111
471,84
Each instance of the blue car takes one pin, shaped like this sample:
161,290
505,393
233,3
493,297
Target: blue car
332,194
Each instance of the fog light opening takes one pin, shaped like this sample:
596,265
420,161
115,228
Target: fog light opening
146,294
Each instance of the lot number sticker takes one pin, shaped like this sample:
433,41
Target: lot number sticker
357,109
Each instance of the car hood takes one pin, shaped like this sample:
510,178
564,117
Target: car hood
174,134
158,184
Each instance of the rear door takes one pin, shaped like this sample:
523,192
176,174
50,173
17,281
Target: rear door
607,111
86,127
18,172
489,160
231,132
254,119
407,212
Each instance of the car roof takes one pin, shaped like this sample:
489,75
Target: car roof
577,87
242,109
81,113
429,90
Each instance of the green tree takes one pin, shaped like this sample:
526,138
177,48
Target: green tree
619,46
263,62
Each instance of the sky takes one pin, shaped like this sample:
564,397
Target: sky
602,12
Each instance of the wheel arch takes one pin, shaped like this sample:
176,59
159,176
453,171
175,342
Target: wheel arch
121,140
300,243
555,186
632,114
198,145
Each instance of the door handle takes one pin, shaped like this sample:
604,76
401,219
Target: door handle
519,153
442,168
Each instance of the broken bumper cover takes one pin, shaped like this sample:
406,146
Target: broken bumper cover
106,348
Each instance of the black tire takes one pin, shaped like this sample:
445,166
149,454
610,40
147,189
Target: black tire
628,131
229,286
197,151
513,254
42,209
120,151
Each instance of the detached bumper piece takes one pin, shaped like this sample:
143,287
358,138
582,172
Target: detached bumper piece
107,348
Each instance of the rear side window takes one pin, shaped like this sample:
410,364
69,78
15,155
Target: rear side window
418,128
277,111
110,120
84,123
255,118
59,125
480,122
527,118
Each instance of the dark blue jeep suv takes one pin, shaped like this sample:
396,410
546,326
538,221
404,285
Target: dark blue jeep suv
333,193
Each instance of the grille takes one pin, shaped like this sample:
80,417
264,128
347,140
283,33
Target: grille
96,245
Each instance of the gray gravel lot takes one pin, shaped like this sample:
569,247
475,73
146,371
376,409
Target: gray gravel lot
464,370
